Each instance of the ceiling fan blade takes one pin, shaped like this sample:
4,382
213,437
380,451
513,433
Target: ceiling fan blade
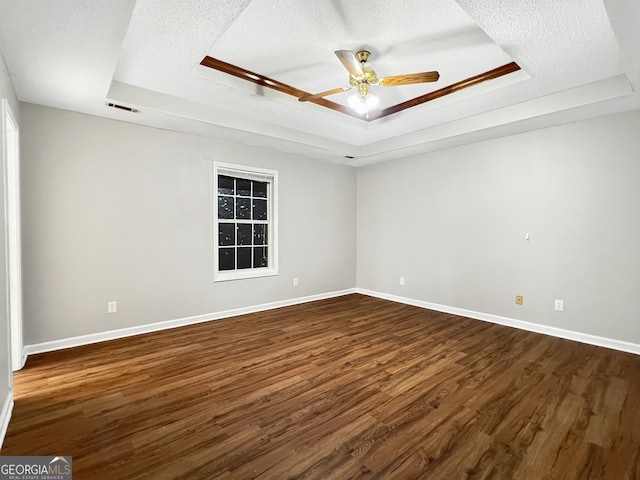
350,62
323,94
411,78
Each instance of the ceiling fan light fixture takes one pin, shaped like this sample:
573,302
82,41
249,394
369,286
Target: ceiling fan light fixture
363,78
372,101
363,104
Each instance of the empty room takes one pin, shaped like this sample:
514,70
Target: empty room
320,240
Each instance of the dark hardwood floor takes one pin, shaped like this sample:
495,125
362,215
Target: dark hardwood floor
347,388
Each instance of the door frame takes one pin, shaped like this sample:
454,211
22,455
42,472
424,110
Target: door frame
11,174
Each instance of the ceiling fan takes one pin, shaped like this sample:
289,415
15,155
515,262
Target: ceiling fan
363,78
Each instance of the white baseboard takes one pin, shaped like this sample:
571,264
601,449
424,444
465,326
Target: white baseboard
5,415
154,327
23,359
511,322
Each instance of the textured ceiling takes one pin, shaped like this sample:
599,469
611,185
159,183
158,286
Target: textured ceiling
578,58
299,51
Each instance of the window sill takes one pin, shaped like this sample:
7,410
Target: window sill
241,275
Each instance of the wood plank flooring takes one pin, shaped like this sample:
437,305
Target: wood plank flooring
347,388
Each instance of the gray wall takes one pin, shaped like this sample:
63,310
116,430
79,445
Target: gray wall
453,224
6,91
116,211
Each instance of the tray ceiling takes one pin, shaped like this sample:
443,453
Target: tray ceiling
577,59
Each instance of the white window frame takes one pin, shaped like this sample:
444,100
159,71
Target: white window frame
251,173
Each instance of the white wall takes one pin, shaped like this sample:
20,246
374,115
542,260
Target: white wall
116,211
6,91
453,224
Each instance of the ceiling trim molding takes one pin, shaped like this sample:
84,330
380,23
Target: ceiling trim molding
263,81
455,87
267,82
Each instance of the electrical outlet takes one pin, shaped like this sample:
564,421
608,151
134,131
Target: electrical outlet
295,281
559,305
112,306
401,280
519,299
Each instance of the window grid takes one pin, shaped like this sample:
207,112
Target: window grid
243,223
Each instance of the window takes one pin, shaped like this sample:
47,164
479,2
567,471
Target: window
245,226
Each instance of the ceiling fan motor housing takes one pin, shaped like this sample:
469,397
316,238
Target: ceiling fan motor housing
368,77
